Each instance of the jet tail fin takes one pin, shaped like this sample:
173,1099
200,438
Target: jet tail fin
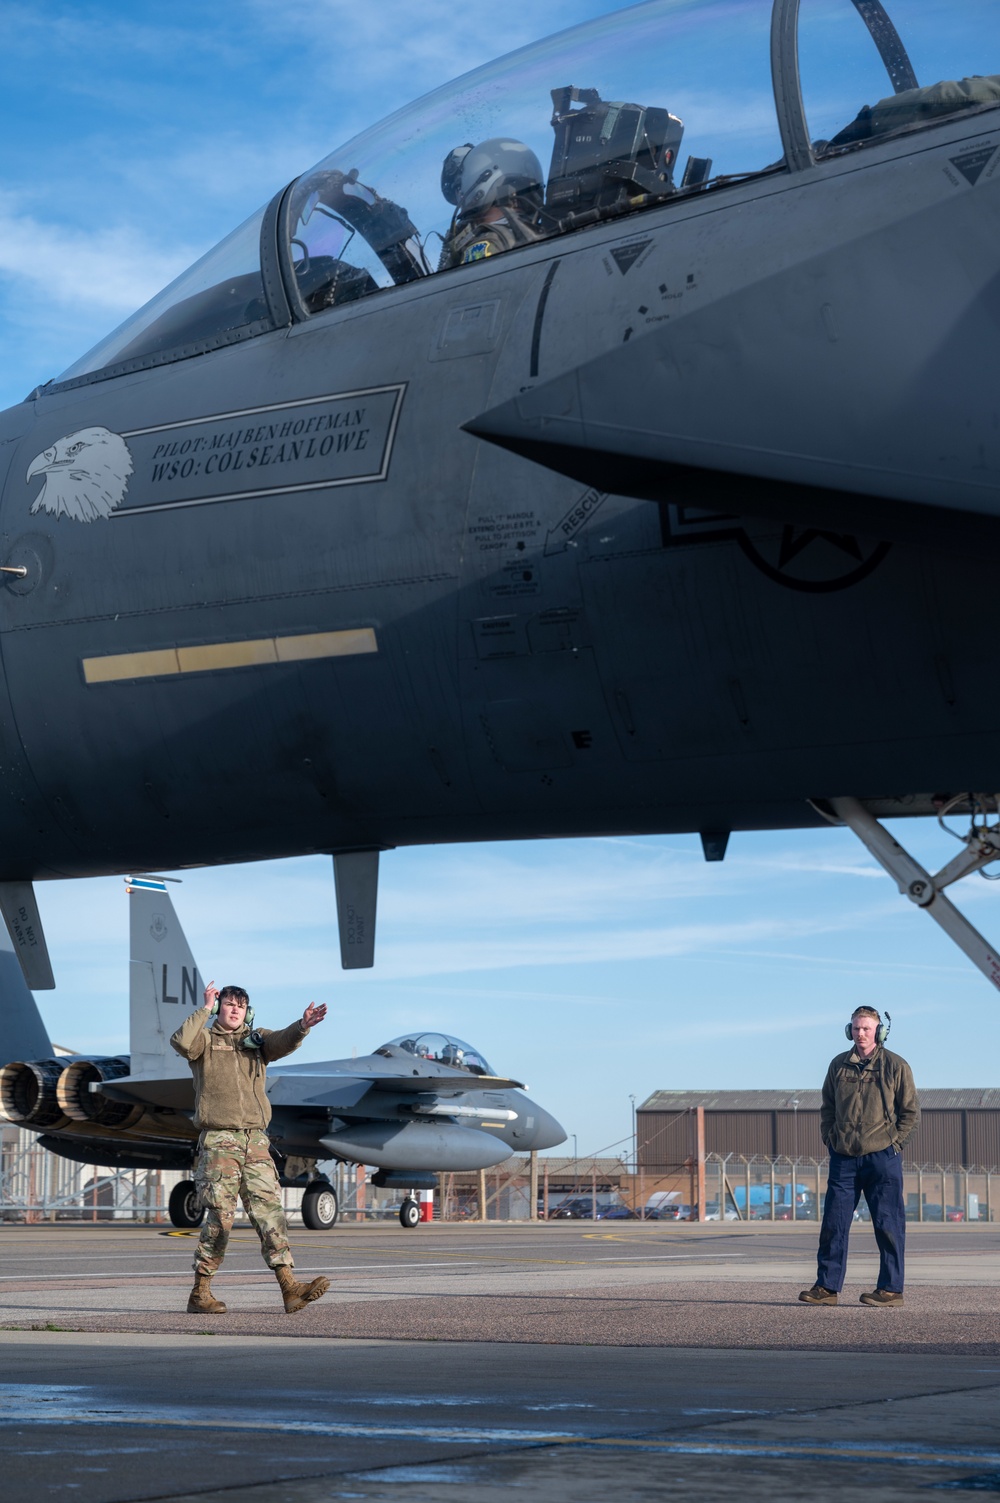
164,981
23,1035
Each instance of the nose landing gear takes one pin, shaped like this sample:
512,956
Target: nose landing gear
409,1212
184,1207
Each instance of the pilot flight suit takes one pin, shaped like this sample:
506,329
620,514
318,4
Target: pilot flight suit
234,1159
475,241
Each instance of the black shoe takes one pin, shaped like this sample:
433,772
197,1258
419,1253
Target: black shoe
817,1295
882,1297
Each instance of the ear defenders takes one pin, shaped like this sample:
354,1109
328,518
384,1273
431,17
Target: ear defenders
251,1040
881,1032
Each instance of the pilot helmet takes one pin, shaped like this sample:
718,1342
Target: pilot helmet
494,172
451,172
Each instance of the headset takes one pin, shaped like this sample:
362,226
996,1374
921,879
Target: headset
881,1032
251,1040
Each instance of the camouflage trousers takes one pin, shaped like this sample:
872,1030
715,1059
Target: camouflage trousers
238,1166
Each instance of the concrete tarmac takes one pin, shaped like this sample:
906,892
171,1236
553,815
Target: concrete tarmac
570,1360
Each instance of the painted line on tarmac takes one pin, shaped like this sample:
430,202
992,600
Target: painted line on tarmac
355,1268
118,1258
674,1257
185,1272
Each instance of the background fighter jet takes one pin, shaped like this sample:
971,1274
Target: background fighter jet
421,1104
670,518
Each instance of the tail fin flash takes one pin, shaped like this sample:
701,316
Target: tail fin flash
164,982
22,1033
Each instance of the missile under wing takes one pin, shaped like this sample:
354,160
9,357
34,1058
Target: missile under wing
605,442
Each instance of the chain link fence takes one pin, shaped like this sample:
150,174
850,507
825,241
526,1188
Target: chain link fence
37,1186
760,1189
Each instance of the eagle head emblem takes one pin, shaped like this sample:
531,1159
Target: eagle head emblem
86,475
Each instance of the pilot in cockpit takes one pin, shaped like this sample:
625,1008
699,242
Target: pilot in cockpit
497,189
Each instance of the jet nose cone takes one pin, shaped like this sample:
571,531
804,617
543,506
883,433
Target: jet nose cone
548,1132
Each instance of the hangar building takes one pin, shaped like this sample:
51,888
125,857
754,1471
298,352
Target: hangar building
958,1128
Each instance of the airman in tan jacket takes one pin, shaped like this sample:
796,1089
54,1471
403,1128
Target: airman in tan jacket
229,1063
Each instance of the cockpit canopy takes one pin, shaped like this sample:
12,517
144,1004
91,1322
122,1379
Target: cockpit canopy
634,110
443,1049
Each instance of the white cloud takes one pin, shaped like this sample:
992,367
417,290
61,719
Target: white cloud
115,268
394,50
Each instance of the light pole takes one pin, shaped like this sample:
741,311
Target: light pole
635,1167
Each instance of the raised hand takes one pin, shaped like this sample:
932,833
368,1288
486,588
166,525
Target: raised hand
314,1013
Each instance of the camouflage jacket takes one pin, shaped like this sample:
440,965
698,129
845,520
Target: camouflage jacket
868,1106
229,1081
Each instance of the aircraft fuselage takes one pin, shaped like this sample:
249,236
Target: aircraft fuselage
642,528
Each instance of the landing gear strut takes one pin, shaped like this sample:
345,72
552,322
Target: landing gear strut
982,845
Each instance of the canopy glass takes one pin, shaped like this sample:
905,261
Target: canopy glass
636,110
443,1049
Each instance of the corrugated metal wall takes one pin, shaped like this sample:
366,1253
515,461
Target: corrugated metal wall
938,1140
665,1139
797,1135
745,1133
983,1138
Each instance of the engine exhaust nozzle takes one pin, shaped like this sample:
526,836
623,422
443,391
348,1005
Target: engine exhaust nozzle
81,1104
28,1093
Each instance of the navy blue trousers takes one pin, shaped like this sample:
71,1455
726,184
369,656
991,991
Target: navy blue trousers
879,1177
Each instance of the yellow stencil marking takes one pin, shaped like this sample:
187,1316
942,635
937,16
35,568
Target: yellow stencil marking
211,656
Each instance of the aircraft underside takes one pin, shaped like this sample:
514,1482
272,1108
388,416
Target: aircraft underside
670,520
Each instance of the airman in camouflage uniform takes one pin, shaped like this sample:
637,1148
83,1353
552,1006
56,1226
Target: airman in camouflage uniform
229,1064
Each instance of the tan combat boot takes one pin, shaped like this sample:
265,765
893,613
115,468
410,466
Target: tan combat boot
202,1301
297,1296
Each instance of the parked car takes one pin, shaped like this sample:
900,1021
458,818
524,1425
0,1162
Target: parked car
581,1208
673,1210
712,1212
576,1208
805,1210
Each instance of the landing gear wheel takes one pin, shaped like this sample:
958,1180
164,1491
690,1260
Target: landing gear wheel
409,1213
184,1208
319,1206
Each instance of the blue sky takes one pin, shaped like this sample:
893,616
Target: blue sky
136,137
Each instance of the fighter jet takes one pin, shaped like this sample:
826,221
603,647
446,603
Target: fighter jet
419,1105
457,497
